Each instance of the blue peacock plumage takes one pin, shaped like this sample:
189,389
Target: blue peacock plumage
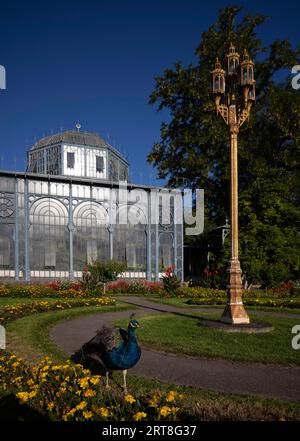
114,349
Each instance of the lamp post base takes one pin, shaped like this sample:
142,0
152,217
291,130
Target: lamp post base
234,312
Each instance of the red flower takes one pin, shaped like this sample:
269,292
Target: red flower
169,272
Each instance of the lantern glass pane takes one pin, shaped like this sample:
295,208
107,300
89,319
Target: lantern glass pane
216,84
222,83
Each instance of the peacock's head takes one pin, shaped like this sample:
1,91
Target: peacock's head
133,323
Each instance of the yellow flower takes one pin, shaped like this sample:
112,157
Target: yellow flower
56,367
23,396
153,402
15,365
89,393
104,412
81,405
70,413
17,380
129,398
32,394
165,411
83,383
95,380
45,368
171,396
50,406
139,415
88,415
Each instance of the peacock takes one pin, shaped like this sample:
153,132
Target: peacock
113,349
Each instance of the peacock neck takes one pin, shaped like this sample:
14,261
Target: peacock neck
131,334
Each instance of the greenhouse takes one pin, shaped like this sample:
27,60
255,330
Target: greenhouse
67,210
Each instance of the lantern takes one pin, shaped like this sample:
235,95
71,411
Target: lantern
247,70
233,60
218,79
247,78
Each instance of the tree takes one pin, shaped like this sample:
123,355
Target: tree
194,146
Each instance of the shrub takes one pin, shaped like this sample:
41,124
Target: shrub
98,273
171,281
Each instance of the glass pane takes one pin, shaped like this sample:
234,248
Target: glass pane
70,159
99,163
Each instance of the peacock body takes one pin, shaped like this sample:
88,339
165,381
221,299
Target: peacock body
116,349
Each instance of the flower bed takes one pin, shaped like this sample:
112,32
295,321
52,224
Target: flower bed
280,298
65,289
70,393
283,296
278,303
38,291
13,312
136,287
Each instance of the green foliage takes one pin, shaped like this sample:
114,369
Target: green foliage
98,273
170,281
194,148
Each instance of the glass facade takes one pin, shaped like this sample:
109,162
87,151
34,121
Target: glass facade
51,226
80,154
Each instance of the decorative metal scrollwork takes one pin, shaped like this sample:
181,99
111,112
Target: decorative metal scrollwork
6,206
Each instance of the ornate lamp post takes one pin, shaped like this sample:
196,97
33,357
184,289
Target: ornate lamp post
234,94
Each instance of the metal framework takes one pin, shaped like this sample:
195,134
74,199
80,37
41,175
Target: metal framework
51,226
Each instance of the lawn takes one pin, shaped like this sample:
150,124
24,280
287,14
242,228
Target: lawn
181,302
29,336
182,334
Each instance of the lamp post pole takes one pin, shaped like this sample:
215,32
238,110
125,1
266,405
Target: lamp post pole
237,79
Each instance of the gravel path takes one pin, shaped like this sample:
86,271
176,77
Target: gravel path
281,382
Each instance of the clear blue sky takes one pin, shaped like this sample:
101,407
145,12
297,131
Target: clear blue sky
95,61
